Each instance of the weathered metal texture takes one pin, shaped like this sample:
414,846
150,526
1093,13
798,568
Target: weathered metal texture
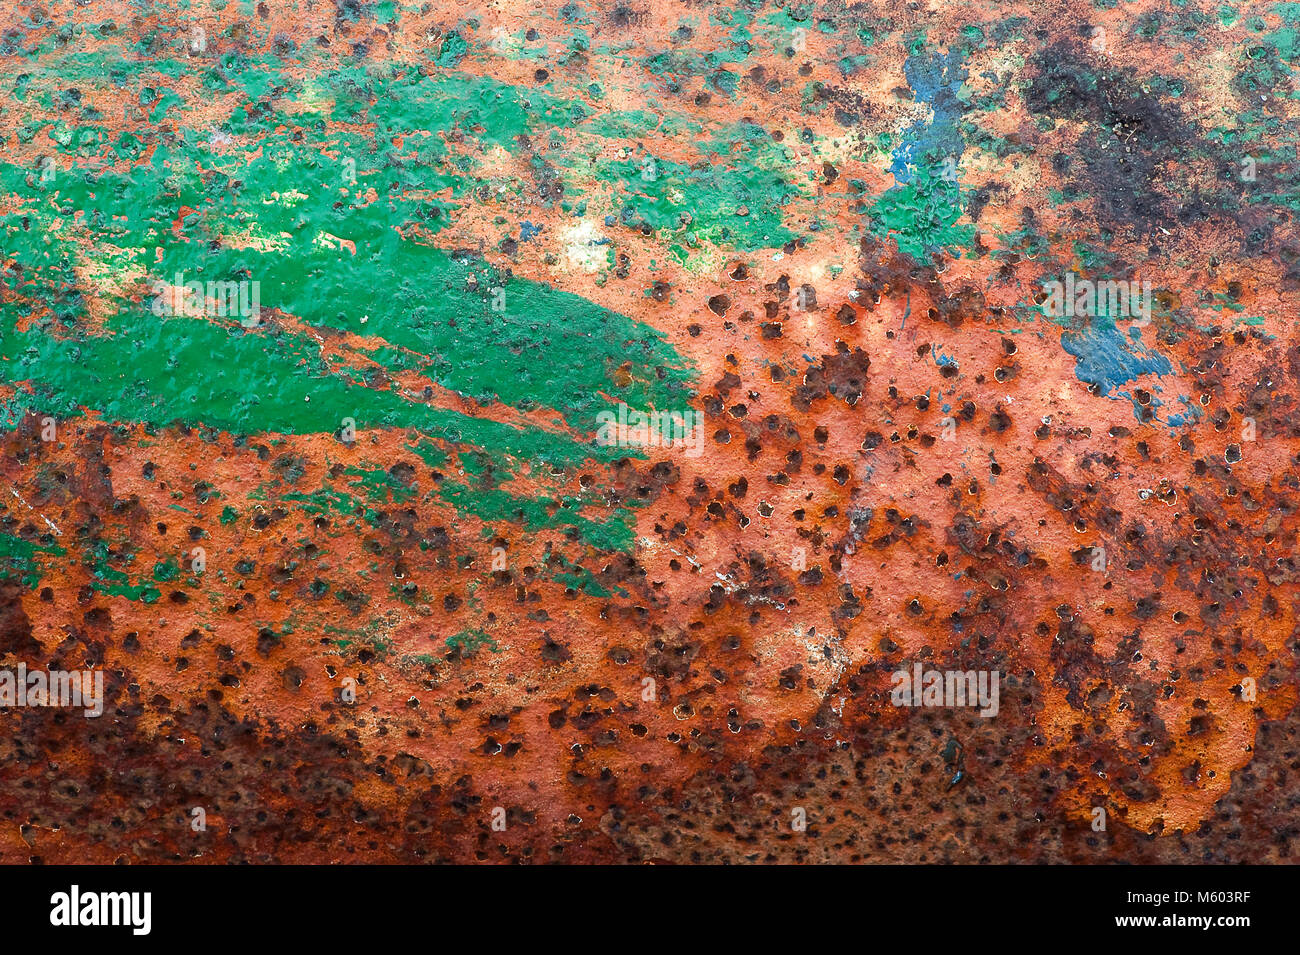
827,227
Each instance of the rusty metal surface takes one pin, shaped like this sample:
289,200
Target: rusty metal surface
437,618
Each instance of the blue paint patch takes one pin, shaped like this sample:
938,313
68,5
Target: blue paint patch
935,79
921,209
1192,413
940,358
1108,360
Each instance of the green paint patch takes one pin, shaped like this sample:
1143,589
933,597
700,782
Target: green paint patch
428,453
313,193
327,500
19,557
610,533
112,582
379,485
452,50
921,216
468,643
732,197
579,578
